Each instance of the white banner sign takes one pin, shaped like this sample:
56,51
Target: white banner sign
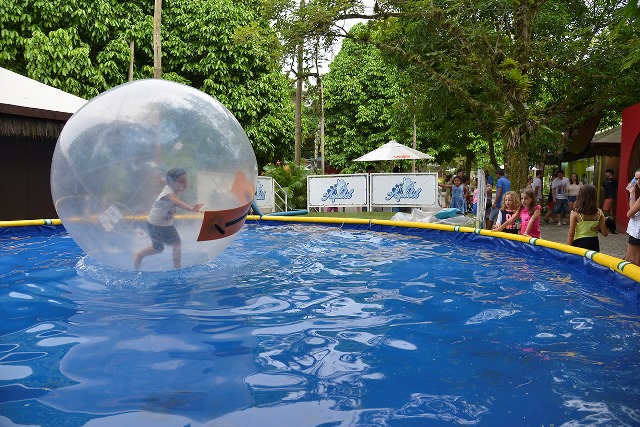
337,190
404,189
264,197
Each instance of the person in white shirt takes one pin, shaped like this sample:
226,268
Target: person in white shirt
560,200
161,216
573,189
536,186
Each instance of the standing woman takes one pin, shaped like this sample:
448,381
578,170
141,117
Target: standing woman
549,213
585,220
573,189
457,194
633,229
445,192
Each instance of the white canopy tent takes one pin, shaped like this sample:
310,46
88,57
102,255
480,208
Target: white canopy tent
393,150
32,115
22,96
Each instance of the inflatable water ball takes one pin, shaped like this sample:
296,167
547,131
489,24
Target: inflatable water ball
153,175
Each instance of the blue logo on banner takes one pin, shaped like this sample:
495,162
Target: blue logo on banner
337,191
260,193
405,190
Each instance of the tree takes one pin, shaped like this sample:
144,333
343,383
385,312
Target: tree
222,47
535,68
361,90
157,40
524,71
302,49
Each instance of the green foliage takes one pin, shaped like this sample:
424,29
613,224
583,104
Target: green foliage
225,48
360,93
522,72
293,179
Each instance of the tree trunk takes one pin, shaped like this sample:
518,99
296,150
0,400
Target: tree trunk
157,52
517,166
415,143
468,159
298,118
131,51
492,151
524,124
321,124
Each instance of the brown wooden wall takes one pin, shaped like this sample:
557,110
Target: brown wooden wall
25,166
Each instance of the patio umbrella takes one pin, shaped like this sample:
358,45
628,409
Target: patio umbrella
393,150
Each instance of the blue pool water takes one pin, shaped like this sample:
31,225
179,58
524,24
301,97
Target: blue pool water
313,326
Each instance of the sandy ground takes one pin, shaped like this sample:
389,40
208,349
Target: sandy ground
614,244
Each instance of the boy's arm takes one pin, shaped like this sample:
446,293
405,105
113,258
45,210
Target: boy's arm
173,198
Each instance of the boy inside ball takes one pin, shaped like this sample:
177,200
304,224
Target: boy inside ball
160,219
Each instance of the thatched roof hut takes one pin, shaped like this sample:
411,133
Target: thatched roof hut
32,115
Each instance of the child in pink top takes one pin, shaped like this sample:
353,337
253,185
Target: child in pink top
529,215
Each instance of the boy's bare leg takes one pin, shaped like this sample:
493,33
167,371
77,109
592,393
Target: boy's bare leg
177,256
139,255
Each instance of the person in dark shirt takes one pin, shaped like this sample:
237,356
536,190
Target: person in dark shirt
610,186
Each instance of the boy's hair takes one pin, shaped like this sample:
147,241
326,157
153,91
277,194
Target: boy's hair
529,192
516,199
539,173
610,171
174,174
586,202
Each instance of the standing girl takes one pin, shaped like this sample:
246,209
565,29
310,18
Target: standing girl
633,229
510,203
444,193
585,220
528,214
457,194
466,184
474,200
573,189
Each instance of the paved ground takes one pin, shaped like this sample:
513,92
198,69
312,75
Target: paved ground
614,244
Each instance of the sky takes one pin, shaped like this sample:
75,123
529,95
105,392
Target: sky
347,24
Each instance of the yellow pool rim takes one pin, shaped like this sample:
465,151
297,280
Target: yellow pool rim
28,222
618,265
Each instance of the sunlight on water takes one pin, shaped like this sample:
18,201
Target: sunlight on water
304,325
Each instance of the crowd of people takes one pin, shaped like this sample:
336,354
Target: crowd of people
569,202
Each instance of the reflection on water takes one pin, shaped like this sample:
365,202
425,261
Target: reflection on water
313,326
